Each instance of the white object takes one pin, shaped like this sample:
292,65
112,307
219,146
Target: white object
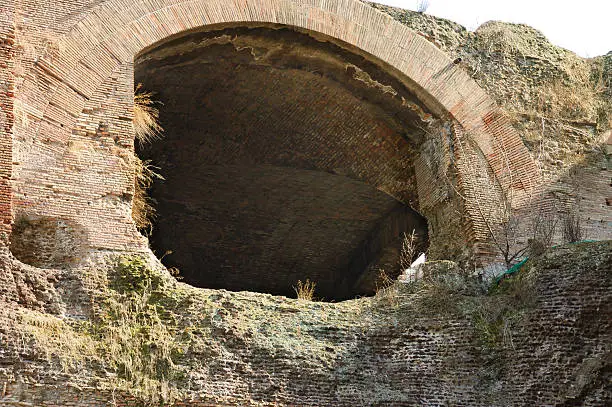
412,273
419,260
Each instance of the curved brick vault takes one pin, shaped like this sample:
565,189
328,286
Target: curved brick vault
72,136
284,158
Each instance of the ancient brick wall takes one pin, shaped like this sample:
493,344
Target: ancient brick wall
7,51
401,348
556,100
75,84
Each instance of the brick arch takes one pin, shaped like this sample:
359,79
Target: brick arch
116,30
68,76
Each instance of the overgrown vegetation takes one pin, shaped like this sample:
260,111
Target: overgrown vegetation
147,129
496,314
572,225
71,344
387,289
496,317
526,232
408,250
138,329
444,288
147,333
132,334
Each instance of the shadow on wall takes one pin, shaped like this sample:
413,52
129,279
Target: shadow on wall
47,242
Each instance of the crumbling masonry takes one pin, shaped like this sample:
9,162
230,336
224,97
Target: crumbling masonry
302,140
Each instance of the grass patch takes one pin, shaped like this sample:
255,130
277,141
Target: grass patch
495,315
69,343
137,331
305,290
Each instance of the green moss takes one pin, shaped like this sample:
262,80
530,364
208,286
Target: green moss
497,314
134,275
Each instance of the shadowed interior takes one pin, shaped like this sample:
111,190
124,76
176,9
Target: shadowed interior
285,158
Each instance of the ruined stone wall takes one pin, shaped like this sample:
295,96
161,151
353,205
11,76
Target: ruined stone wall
557,101
542,338
74,87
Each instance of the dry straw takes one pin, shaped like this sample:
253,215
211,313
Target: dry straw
146,116
305,290
143,211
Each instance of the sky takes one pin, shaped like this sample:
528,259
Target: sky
582,26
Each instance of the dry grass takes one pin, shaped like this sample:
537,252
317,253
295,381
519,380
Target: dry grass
572,225
57,340
147,129
146,116
570,100
131,338
408,250
305,290
143,211
442,294
495,316
383,281
387,291
139,345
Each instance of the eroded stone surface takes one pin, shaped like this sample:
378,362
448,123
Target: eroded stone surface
542,338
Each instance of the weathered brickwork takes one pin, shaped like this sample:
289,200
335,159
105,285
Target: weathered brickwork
7,92
404,349
67,72
558,102
72,69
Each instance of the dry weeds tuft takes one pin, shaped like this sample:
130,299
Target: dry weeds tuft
383,281
146,116
387,292
497,314
572,225
575,101
143,211
408,250
305,290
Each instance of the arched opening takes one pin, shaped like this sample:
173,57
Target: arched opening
284,158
